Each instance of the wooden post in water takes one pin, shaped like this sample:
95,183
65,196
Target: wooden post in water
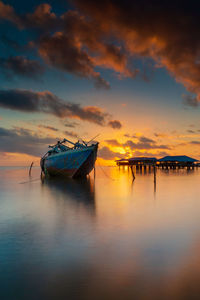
154,181
30,169
132,173
154,173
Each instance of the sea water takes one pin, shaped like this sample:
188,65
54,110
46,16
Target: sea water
103,238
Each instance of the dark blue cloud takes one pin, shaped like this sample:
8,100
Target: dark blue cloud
21,66
47,102
20,140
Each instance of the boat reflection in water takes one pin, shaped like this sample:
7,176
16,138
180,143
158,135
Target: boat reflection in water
79,191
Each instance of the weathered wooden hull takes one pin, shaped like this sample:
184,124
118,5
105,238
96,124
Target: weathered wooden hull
72,163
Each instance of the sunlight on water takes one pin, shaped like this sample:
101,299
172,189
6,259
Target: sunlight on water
111,238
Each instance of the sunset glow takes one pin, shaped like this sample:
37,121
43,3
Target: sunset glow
70,73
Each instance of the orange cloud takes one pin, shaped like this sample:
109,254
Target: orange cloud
42,16
7,12
166,34
78,41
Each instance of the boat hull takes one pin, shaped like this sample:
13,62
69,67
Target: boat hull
72,163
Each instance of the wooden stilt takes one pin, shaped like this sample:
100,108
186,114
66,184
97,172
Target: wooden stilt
132,173
154,173
30,169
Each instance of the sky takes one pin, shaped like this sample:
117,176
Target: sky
127,70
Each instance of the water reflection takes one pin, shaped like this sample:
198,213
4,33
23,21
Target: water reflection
80,191
66,239
178,171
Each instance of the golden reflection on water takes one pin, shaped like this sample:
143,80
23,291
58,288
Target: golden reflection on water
103,239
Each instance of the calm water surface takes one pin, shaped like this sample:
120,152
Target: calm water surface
108,239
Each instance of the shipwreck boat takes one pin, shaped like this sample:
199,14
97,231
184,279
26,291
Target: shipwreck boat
75,161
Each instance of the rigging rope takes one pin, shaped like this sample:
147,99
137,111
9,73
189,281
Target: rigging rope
105,173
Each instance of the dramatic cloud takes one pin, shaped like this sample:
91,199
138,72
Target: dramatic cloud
113,142
20,140
144,139
142,143
195,143
73,43
115,124
190,101
71,124
190,131
94,35
160,135
130,136
112,34
42,17
155,30
21,66
48,127
149,154
64,52
80,45
71,134
7,12
107,154
47,102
